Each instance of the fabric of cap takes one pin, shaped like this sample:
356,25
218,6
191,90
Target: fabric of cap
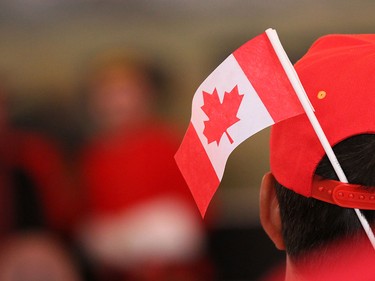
338,74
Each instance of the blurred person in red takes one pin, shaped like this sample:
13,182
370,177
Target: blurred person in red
37,204
37,190
142,222
304,209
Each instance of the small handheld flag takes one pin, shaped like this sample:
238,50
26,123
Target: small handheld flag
246,93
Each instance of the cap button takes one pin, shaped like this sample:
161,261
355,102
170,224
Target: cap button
321,95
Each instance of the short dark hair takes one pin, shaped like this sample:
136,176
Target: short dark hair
309,224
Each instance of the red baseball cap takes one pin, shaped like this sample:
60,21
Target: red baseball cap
338,74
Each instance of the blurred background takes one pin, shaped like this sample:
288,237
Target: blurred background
57,58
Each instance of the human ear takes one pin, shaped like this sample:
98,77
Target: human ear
270,211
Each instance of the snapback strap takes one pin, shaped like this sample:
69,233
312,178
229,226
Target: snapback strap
343,194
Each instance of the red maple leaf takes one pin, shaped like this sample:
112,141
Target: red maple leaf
221,115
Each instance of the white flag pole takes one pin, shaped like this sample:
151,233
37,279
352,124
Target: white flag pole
300,91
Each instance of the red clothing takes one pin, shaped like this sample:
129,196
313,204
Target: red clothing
131,167
30,161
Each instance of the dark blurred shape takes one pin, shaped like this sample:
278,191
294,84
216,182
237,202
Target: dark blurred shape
141,222
242,253
28,213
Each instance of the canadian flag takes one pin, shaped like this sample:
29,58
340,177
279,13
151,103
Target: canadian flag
246,93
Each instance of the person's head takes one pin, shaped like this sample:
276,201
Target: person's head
122,89
5,118
338,74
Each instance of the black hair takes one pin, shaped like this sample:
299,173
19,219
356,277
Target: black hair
310,224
